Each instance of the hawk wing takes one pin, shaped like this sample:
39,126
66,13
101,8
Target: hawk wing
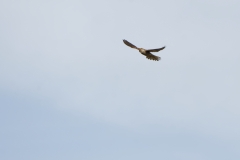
155,50
129,44
153,57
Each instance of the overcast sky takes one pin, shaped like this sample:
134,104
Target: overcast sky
70,89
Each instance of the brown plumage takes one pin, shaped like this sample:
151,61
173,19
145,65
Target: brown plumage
145,52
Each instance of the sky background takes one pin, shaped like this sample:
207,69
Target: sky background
71,90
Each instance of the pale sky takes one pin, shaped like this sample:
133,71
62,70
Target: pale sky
70,89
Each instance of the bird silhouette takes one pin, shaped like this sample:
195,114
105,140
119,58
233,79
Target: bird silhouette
145,52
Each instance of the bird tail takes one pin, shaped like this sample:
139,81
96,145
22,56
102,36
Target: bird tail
153,57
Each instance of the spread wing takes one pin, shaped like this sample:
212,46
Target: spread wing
129,44
155,50
153,57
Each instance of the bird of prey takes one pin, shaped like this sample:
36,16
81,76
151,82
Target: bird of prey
145,52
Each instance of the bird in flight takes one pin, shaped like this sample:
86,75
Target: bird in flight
145,52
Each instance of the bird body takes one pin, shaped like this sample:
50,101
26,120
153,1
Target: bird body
145,52
142,51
